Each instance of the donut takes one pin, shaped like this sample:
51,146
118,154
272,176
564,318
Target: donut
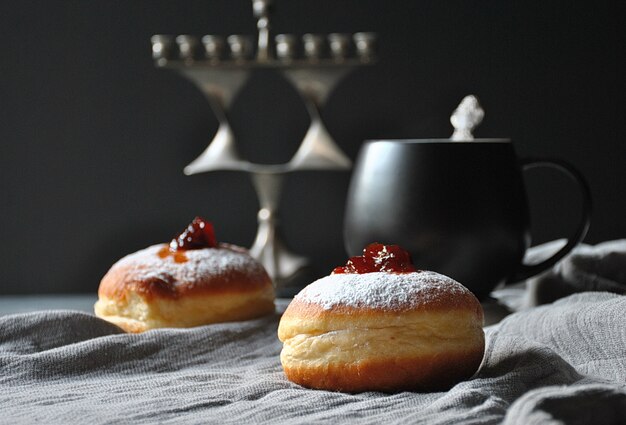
206,282
386,329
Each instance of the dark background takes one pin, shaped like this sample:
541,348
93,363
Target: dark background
93,138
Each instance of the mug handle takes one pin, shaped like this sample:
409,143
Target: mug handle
525,270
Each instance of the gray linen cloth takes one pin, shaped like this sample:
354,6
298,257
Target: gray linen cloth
600,267
587,268
560,363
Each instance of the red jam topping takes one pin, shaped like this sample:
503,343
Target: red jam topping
378,257
199,234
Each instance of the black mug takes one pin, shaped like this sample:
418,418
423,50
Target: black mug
459,208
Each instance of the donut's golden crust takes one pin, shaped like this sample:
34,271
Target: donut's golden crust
117,284
421,346
142,291
423,374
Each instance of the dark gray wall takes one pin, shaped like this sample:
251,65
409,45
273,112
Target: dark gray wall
93,139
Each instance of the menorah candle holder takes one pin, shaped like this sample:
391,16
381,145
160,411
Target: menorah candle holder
220,66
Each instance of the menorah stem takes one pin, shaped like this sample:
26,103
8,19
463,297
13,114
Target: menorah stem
268,246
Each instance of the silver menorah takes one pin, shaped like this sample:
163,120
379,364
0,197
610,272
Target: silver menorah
220,66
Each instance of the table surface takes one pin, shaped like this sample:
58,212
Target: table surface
11,304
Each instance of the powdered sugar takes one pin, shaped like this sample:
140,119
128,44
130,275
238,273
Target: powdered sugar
146,264
381,290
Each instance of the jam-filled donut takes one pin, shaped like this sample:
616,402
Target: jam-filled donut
378,324
192,281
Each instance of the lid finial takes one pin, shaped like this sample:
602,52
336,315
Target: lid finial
465,118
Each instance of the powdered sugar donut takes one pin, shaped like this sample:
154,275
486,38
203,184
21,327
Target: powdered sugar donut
158,287
382,331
